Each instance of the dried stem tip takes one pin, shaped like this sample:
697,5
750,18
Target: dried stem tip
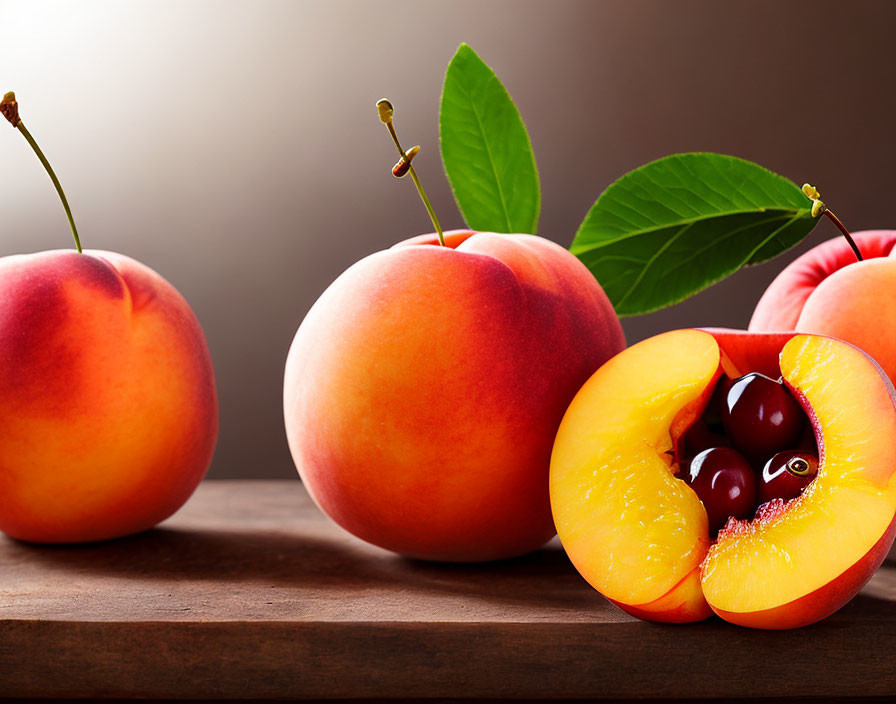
10,109
403,165
811,192
818,208
384,108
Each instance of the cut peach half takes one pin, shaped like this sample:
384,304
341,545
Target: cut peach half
639,535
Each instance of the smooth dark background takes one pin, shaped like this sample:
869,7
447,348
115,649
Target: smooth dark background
234,146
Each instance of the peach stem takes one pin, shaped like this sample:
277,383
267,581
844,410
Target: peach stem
9,106
385,110
43,160
840,226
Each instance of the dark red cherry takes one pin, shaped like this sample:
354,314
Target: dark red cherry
712,415
725,482
760,416
700,437
786,475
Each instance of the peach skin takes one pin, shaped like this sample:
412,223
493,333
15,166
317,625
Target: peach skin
637,531
107,397
423,390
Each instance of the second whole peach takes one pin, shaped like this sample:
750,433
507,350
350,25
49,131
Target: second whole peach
424,388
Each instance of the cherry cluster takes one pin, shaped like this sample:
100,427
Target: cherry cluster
754,444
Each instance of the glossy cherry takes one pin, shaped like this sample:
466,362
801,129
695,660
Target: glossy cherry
786,475
760,416
725,482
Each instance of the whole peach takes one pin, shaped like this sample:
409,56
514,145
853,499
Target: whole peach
107,397
827,291
424,388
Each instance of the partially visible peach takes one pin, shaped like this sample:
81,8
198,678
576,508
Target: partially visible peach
107,397
828,292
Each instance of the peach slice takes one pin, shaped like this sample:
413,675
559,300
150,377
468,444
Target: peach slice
630,527
639,535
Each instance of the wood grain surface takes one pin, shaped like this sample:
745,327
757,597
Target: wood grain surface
250,593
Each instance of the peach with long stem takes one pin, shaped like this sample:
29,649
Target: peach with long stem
107,393
423,389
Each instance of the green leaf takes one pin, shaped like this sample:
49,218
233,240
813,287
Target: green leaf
679,224
486,150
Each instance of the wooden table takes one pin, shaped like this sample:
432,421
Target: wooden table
250,593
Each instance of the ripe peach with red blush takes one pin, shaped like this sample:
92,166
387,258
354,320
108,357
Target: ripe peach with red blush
107,397
424,388
107,393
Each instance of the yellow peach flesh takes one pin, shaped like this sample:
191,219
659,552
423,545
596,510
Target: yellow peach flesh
764,564
629,526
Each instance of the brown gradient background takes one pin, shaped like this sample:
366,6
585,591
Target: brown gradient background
234,146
